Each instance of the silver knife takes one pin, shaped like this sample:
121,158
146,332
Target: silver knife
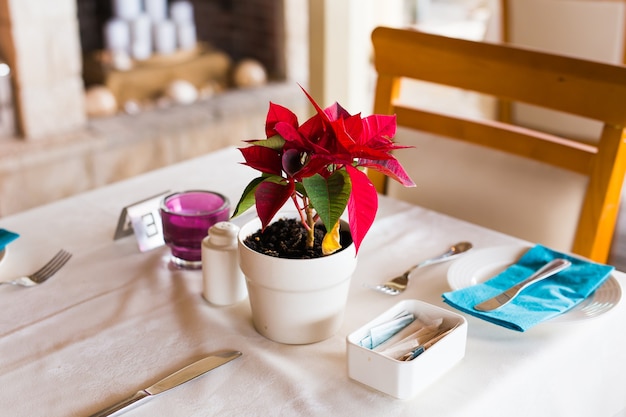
503,298
177,378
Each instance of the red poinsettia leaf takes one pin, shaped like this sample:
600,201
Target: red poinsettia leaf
318,109
379,128
327,145
336,112
263,159
366,153
270,197
277,114
312,128
317,164
390,167
348,131
362,205
291,135
315,136
354,127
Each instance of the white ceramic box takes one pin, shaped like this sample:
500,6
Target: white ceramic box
405,379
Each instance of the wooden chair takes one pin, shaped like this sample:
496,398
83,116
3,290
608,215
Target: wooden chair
589,89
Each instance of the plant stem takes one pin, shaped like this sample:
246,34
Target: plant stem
301,210
311,229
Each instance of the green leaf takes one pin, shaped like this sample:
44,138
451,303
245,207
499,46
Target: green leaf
275,142
300,188
247,198
275,179
329,195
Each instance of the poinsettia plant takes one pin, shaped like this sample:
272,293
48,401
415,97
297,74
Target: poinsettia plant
319,165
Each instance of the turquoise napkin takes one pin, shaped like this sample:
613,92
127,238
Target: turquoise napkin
539,302
7,237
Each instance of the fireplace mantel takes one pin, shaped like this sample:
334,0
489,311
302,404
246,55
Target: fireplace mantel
110,149
58,151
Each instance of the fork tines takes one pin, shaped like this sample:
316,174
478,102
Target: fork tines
52,266
387,289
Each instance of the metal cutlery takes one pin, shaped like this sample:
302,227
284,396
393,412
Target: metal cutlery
171,381
505,297
409,356
398,284
45,272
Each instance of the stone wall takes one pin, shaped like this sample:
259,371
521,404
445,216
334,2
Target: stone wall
39,40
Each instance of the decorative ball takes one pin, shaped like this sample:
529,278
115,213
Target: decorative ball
181,92
249,73
100,101
132,107
121,61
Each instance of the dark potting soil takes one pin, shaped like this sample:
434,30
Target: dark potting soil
286,238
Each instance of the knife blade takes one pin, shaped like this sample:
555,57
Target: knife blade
506,296
179,377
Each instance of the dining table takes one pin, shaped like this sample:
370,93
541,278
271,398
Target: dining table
116,319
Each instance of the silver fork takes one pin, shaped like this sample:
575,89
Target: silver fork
398,284
44,272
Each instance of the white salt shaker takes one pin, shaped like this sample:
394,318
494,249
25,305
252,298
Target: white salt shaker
224,282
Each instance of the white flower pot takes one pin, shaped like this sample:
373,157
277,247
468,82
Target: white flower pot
296,301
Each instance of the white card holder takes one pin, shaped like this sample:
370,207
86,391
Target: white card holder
143,219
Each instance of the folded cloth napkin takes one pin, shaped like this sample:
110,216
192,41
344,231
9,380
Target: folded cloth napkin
7,237
539,302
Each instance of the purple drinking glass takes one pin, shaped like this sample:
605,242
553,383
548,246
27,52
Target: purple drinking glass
187,217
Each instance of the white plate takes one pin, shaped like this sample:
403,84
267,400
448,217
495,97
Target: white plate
480,265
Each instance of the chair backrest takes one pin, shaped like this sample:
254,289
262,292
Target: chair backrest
589,89
588,29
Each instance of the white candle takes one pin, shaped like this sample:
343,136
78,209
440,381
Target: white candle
126,9
156,9
117,35
140,27
141,37
141,50
181,12
186,35
165,37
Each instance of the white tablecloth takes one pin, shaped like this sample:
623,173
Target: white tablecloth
115,320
